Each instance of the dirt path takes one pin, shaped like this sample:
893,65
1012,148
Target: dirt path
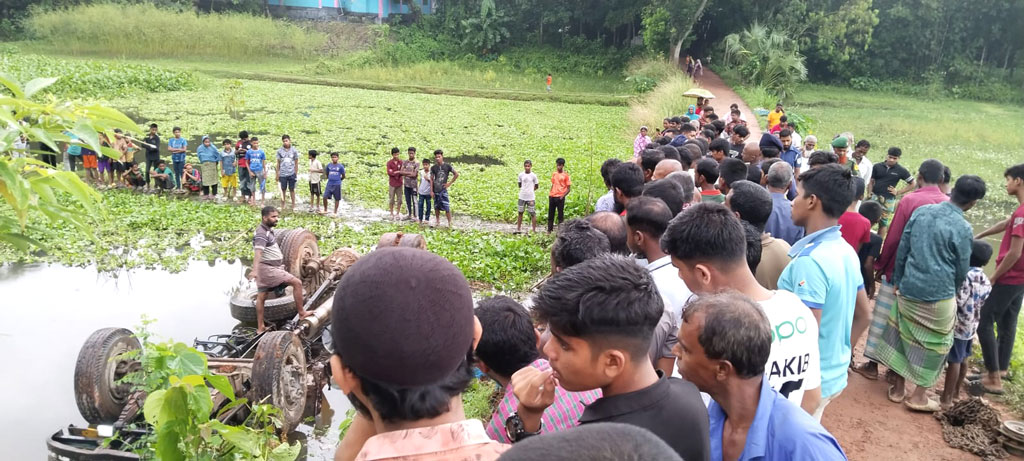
724,97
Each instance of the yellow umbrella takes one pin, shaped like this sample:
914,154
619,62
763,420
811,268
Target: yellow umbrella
699,93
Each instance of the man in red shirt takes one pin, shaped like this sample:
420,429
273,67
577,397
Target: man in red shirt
244,179
1003,304
560,186
395,177
856,229
929,175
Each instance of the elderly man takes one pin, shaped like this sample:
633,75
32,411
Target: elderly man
665,168
780,223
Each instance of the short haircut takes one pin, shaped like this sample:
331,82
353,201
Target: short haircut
675,120
685,182
649,159
255,139
687,128
718,124
509,341
967,189
947,175
863,143
1015,172
732,170
177,128
609,301
426,161
741,130
871,210
785,132
411,149
769,152
284,136
527,162
754,173
438,152
160,162
710,134
228,141
559,161
243,134
752,202
832,184
780,175
822,157
577,241
783,119
895,152
753,245
735,329
692,152
708,168
668,191
395,150
606,171
267,210
313,153
671,152
594,442
720,145
981,253
930,171
612,226
152,125
334,154
858,187
705,232
767,164
628,177
663,140
649,215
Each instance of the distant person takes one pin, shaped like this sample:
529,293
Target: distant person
90,162
737,141
228,170
257,161
780,223
242,146
287,168
163,177
410,173
860,165
134,178
641,142
775,116
152,153
885,176
788,153
706,178
870,251
426,194
440,173
971,295
719,150
316,173
209,160
753,204
856,229
193,179
178,147
528,185
840,146
548,81
335,174
561,185
394,169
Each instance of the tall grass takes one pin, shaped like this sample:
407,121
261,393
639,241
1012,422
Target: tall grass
666,100
144,30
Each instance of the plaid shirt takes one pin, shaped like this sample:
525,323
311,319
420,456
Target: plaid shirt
969,299
563,414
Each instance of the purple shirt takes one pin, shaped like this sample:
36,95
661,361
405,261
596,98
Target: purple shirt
928,195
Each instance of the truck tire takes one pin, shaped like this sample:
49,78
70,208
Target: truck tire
243,306
279,376
297,246
99,397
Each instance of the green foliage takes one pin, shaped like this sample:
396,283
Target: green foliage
644,74
664,101
485,31
657,33
837,36
94,79
480,399
145,30
765,58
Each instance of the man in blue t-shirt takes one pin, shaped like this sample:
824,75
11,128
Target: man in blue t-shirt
825,273
257,160
177,146
335,173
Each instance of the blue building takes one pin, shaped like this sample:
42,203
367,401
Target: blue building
380,9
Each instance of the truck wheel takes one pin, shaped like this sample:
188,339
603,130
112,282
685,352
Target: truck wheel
99,396
299,249
243,306
279,376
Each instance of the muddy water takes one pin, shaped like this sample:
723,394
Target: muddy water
48,311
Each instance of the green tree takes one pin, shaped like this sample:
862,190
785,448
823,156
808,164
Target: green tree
766,58
487,30
674,20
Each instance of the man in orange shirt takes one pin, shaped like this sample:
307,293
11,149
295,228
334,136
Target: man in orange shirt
549,83
560,185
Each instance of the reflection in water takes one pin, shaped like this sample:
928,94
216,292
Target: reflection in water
47,312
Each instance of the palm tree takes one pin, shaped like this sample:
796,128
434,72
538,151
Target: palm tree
766,58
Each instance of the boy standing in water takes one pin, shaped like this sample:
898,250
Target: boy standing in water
335,174
256,159
426,193
177,146
528,184
560,187
316,171
228,170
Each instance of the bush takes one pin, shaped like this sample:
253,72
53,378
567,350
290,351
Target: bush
644,74
665,100
144,30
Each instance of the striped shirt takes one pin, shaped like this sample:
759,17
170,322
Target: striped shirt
561,415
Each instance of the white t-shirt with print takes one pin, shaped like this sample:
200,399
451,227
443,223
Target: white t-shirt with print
527,181
794,364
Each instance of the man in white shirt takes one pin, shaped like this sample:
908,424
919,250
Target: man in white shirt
860,159
706,244
528,184
646,219
607,201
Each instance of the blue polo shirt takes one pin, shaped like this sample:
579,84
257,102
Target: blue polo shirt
177,143
825,275
790,156
781,431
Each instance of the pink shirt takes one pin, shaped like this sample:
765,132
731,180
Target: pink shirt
464,440
640,143
563,414
928,195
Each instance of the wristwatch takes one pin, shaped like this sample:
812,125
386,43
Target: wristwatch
516,431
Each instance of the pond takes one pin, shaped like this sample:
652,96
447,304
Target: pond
49,310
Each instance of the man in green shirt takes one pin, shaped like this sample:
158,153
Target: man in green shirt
163,176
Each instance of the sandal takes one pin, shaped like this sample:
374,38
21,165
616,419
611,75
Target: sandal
892,398
977,389
931,407
860,370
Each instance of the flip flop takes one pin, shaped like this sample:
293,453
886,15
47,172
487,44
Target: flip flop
931,407
894,399
865,373
977,389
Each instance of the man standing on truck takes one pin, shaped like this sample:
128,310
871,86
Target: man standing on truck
268,267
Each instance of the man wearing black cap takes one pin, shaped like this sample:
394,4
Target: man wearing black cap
403,355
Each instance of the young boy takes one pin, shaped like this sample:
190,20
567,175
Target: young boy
244,178
528,184
134,178
228,170
855,228
177,146
560,187
287,169
163,177
1003,305
316,171
103,163
426,193
707,176
193,180
870,251
152,153
90,162
256,159
549,83
335,174
969,299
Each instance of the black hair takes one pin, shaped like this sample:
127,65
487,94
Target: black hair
863,143
753,245
710,134
1015,172
754,173
832,184
527,162
930,171
335,154
255,139
284,136
438,152
705,232
313,153
649,215
735,329
895,152
822,157
766,164
732,170
606,171
981,253
426,161
871,210
783,119
577,241
395,150
649,159
612,226
559,161
752,202
628,178
161,162
711,117
152,125
662,140
676,120
593,442
608,301
719,125
947,174
671,153
708,168
509,341
411,149
395,404
720,145
267,210
687,128
118,130
741,130
668,191
785,132
228,141
243,134
769,152
177,128
858,187
967,189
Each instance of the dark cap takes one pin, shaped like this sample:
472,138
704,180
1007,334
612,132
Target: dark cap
403,316
769,140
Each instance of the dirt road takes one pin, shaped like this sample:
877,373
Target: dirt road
724,97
